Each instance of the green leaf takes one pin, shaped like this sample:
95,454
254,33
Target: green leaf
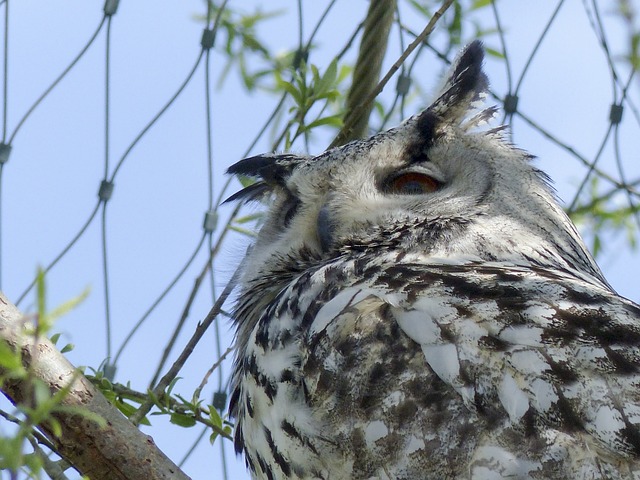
67,306
289,88
245,181
11,453
11,361
315,73
597,245
494,53
126,409
243,231
333,120
421,8
41,393
41,300
249,218
477,4
182,420
328,80
172,385
214,416
54,426
67,348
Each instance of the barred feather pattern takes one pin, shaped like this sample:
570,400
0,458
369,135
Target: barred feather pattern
418,305
466,370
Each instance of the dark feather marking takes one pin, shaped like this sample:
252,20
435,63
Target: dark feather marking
255,191
622,364
493,343
560,371
405,412
233,401
250,462
467,78
287,375
238,442
468,72
272,168
249,404
292,431
528,420
570,419
250,364
417,151
289,429
270,388
632,435
262,335
585,297
491,416
265,467
282,462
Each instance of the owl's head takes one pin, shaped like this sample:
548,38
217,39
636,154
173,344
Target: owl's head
436,187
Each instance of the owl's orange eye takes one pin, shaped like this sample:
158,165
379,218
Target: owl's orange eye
413,183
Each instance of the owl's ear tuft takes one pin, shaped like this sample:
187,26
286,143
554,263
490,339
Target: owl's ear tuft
272,168
465,85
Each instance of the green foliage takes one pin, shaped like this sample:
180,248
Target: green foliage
43,404
606,215
244,50
308,87
180,411
629,17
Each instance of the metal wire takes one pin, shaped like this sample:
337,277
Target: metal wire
618,182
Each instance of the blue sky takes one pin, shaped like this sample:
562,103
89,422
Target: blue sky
50,183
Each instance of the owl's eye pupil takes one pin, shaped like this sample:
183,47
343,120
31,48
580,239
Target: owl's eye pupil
413,183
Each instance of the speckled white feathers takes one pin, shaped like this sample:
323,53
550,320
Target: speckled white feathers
418,305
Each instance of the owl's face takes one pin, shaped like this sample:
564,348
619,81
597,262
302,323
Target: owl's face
435,187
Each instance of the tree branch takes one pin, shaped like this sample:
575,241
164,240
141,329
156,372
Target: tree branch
360,109
115,451
368,66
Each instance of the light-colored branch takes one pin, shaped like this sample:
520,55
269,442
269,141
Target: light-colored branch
115,451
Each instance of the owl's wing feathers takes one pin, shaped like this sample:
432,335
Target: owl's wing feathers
526,348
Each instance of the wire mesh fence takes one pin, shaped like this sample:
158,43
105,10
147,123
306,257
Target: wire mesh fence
118,120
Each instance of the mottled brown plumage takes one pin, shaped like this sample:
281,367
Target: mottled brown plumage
418,305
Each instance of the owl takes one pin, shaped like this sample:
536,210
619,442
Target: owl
418,305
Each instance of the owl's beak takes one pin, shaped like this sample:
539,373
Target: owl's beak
325,229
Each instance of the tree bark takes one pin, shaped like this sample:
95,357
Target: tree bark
116,451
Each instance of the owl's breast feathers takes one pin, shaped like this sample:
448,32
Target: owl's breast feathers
375,368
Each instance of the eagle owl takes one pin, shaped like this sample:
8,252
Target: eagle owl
418,305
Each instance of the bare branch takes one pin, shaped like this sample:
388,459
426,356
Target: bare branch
116,451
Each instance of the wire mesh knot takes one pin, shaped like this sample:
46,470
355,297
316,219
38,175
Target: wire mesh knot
208,37
615,114
5,151
510,104
109,371
105,191
110,7
210,221
219,400
404,82
301,55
